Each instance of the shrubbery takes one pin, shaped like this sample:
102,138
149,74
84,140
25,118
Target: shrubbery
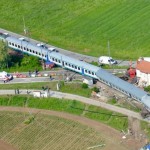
95,89
84,86
147,89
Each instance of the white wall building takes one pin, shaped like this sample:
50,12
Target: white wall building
143,72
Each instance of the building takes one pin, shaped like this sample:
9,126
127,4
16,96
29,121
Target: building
143,72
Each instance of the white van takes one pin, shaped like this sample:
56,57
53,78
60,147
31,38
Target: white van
107,60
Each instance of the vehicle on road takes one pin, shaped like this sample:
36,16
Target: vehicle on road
4,76
106,60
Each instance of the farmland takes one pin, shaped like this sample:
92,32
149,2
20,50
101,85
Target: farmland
69,106
46,132
83,26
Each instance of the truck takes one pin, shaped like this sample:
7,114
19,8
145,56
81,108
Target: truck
106,60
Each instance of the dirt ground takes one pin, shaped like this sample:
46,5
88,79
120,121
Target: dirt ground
113,138
6,146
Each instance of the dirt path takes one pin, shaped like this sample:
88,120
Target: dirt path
114,137
5,146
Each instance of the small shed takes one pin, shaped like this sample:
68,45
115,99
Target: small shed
88,80
37,93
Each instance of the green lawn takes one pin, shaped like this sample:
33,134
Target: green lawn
83,26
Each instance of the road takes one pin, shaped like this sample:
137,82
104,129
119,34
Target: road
69,53
81,99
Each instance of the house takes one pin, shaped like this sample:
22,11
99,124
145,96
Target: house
143,72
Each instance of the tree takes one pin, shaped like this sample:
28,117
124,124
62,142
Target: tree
4,57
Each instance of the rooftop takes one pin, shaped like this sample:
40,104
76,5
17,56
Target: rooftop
143,66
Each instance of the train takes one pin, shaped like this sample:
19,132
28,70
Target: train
81,67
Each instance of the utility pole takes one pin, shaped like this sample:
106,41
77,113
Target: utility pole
108,45
25,30
24,27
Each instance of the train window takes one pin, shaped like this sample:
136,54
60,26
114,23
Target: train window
89,72
9,43
72,66
36,53
59,61
45,56
92,73
12,44
24,48
33,51
66,64
86,71
30,50
21,47
69,65
56,60
15,45
53,59
18,46
75,67
27,49
78,68
40,54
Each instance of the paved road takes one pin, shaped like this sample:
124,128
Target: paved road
81,99
69,53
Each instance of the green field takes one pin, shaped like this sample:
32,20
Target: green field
73,88
83,26
46,133
70,106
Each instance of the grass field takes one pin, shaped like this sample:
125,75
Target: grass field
70,106
73,88
46,133
84,26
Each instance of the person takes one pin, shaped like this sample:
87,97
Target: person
27,91
36,72
50,77
17,91
29,73
43,88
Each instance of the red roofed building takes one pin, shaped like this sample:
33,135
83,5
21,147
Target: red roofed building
143,72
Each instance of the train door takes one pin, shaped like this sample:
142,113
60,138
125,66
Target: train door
82,71
63,64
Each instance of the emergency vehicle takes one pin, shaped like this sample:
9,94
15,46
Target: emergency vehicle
4,76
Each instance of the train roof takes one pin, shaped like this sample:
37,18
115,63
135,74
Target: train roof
25,43
74,61
121,84
146,100
57,55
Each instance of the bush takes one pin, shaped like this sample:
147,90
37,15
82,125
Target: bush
147,89
95,89
84,86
